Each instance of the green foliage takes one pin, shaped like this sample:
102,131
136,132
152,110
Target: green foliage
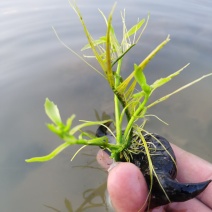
65,132
128,101
135,28
53,112
141,79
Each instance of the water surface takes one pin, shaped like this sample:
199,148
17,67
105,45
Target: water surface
34,65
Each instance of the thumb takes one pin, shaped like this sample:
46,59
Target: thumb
127,188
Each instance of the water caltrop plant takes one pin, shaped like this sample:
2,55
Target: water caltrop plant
150,152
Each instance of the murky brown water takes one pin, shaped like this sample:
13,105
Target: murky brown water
34,65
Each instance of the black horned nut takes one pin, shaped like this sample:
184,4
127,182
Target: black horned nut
165,188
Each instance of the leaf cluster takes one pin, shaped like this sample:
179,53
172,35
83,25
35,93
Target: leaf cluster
129,102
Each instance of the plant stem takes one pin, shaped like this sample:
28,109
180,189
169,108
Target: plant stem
101,142
117,105
127,133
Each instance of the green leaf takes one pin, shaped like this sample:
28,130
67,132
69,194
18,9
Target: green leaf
109,71
104,17
144,63
68,123
141,79
123,86
49,156
158,83
135,28
86,134
89,38
54,129
114,42
129,92
139,75
122,55
178,90
87,124
52,112
61,129
138,95
101,40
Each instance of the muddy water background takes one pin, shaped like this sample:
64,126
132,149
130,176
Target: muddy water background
34,65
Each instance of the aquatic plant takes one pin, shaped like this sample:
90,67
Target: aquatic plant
131,101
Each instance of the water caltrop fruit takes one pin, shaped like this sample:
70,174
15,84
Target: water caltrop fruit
164,187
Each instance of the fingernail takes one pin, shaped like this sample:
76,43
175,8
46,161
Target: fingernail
113,165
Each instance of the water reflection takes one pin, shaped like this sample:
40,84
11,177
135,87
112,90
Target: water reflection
94,199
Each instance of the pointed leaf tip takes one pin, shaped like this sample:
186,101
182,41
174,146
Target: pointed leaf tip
52,112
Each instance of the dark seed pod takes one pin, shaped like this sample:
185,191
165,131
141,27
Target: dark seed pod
165,188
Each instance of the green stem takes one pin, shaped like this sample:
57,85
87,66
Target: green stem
101,142
127,133
117,105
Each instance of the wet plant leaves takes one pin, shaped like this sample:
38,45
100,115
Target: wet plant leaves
52,112
135,28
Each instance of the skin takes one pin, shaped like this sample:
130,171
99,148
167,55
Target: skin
128,190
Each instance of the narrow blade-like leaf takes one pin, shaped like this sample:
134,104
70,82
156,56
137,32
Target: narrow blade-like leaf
178,90
101,40
129,92
144,63
89,37
135,28
158,83
123,86
87,124
109,72
49,156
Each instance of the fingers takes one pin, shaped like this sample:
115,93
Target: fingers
125,178
127,188
126,185
188,206
191,168
103,159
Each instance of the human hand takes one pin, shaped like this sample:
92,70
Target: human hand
128,190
